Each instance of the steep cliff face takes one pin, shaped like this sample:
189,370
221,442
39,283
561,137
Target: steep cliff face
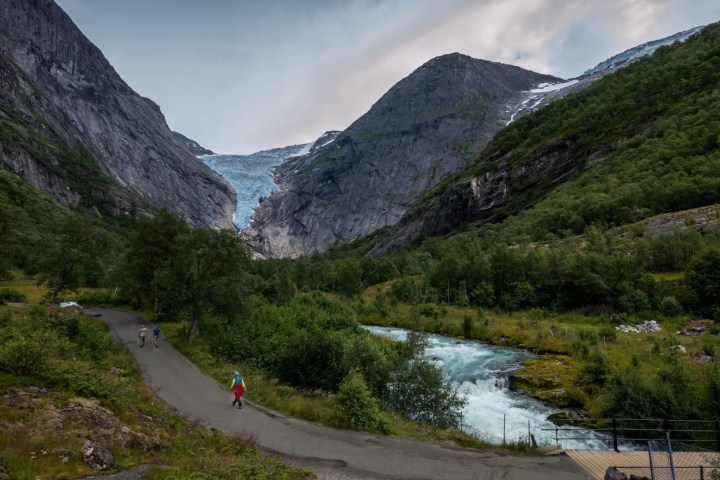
425,127
72,127
502,186
194,147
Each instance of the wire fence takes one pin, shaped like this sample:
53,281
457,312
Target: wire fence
655,449
672,460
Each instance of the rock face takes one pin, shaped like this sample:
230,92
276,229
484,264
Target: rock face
427,126
487,195
73,128
194,147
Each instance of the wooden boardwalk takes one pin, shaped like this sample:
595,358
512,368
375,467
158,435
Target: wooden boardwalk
596,462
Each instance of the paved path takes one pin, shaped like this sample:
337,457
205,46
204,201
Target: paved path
333,454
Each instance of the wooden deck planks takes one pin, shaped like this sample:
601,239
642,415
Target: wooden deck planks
596,462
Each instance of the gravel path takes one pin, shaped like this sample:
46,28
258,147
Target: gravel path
333,454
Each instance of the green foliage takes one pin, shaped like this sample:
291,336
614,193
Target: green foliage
100,298
663,395
357,405
597,368
10,295
75,253
703,277
670,307
418,390
23,353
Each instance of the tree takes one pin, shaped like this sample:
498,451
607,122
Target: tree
703,277
74,250
211,267
147,277
418,389
357,405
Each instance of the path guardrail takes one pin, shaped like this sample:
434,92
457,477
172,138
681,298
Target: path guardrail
619,431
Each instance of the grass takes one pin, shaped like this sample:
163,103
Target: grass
32,444
28,287
568,344
312,405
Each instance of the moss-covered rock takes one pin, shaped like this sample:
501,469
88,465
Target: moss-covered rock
551,379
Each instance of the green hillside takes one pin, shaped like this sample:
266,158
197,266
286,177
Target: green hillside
651,132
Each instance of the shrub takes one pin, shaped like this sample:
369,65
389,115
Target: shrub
95,342
670,307
358,407
23,354
99,298
10,295
430,310
468,325
419,391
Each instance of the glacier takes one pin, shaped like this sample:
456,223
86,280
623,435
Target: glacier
251,176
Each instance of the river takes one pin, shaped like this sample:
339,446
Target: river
493,411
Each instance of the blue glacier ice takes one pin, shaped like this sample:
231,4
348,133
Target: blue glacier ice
251,175
640,51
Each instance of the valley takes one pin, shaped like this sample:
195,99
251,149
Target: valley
517,228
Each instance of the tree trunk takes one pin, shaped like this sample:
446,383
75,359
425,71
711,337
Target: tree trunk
194,319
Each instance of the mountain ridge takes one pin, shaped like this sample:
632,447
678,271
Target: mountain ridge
66,114
423,128
658,105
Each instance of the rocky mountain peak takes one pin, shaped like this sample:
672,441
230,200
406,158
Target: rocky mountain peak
425,127
68,93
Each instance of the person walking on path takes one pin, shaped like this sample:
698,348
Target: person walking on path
141,335
156,335
238,384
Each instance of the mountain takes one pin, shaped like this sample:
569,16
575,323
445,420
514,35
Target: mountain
543,94
640,142
194,147
426,126
70,126
251,175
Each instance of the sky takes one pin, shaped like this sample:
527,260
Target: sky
239,76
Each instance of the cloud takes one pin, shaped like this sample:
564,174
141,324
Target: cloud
240,76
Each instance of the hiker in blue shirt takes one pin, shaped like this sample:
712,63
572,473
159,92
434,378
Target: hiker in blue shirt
156,335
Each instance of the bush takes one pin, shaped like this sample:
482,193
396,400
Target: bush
23,354
670,307
95,342
430,310
99,298
10,295
358,407
419,391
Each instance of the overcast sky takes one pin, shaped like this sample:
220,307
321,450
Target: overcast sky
240,76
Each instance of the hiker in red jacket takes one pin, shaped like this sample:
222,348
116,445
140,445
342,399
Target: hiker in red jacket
239,385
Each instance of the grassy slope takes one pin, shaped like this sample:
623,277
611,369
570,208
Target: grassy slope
31,448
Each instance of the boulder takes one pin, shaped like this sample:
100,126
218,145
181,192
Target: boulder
678,349
613,473
648,326
96,456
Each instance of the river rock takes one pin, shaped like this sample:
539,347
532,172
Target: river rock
702,358
648,326
96,456
613,473
678,349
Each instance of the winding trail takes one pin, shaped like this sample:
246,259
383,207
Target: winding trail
333,454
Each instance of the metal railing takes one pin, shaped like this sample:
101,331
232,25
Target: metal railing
619,432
